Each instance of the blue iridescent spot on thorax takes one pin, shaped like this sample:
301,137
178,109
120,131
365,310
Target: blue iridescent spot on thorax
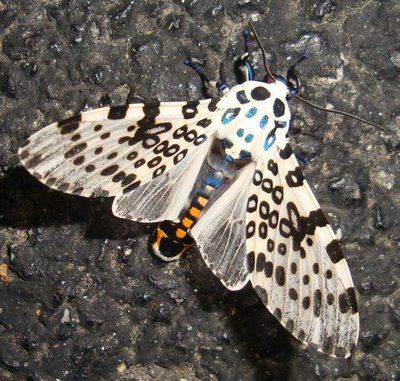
249,138
263,121
269,141
251,112
244,154
229,115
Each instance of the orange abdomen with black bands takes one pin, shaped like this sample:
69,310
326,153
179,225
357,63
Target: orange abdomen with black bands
171,240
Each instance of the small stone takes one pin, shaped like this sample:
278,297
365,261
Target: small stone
373,339
4,274
321,8
394,305
162,314
56,48
66,318
384,214
312,43
395,58
121,368
99,76
347,187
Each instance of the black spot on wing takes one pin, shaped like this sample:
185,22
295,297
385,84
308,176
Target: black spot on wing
300,227
33,161
154,162
279,108
260,262
78,191
128,179
212,106
151,111
189,110
109,170
263,230
250,229
289,325
79,160
139,163
295,178
117,112
286,152
260,93
69,128
301,335
334,251
250,261
75,150
131,187
317,302
262,293
159,171
119,177
280,276
264,210
241,97
278,313
293,294
352,299
328,344
258,177
273,167
71,120
204,122
268,269
347,301
306,302
180,156
277,194
252,203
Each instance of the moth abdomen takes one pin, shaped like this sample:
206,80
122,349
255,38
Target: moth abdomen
172,239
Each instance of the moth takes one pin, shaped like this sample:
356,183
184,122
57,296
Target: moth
220,173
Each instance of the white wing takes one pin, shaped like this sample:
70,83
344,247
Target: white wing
166,196
113,150
220,232
296,264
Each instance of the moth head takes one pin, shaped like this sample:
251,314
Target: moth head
291,82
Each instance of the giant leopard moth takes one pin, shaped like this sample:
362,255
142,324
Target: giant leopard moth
219,172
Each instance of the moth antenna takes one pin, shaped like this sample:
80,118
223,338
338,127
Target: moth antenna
301,98
264,54
334,111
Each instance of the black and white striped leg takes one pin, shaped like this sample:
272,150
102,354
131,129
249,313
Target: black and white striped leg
244,68
219,85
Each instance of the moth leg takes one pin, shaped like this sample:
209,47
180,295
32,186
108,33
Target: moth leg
243,66
291,76
302,158
209,85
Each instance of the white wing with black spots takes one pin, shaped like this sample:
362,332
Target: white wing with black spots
166,196
113,150
296,264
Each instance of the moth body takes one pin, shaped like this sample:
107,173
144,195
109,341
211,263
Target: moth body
254,116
